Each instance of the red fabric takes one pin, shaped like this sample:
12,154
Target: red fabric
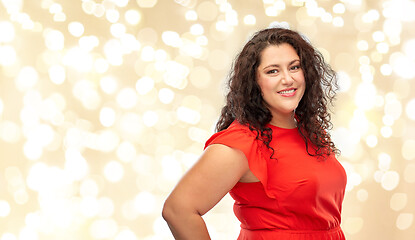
299,197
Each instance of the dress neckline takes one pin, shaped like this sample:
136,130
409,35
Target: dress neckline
280,128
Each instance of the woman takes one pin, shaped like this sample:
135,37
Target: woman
272,151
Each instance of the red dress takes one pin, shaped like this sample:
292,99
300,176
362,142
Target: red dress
299,197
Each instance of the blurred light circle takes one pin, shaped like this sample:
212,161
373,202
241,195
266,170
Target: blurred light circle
339,8
131,125
106,207
344,81
409,48
103,228
126,151
76,165
76,29
378,36
353,225
392,27
4,208
27,233
121,3
87,43
371,141
404,220
32,150
27,78
399,9
144,203
386,69
112,15
127,98
107,140
191,15
146,3
410,109
8,55
249,19
384,160
108,84
362,45
171,38
57,74
126,234
54,39
118,29
390,180
197,29
9,131
409,173
382,47
89,207
207,11
101,65
1,107
365,96
362,195
89,188
147,54
160,226
408,149
132,16
42,134
114,52
188,115
128,211
150,118
386,131
393,108
166,95
402,65
160,55
107,116
338,21
8,236
326,17
398,201
144,85
113,171
84,90
7,32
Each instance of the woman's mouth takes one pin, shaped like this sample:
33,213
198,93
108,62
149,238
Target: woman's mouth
287,92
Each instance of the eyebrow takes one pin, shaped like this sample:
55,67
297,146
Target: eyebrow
277,65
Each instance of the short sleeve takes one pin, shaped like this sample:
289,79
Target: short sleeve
236,136
240,137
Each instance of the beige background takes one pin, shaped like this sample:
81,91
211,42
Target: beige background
105,104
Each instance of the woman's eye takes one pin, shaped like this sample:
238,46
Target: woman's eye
272,71
295,67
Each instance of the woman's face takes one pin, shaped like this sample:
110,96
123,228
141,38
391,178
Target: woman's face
281,79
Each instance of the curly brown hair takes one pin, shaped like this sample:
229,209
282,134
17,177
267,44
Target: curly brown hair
244,101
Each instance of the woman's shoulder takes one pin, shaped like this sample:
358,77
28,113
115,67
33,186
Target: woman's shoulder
235,134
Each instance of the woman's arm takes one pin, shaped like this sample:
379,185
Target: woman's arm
203,186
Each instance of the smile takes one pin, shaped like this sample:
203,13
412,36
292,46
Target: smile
287,91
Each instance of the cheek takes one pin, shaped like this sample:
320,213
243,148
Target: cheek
265,84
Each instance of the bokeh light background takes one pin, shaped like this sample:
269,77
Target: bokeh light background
105,104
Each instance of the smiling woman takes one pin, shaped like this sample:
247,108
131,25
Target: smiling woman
272,151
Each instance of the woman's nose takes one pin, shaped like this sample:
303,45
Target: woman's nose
287,78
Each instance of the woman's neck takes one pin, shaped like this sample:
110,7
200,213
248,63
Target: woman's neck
287,121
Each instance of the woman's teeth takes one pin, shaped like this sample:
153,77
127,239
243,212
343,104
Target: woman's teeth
288,91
